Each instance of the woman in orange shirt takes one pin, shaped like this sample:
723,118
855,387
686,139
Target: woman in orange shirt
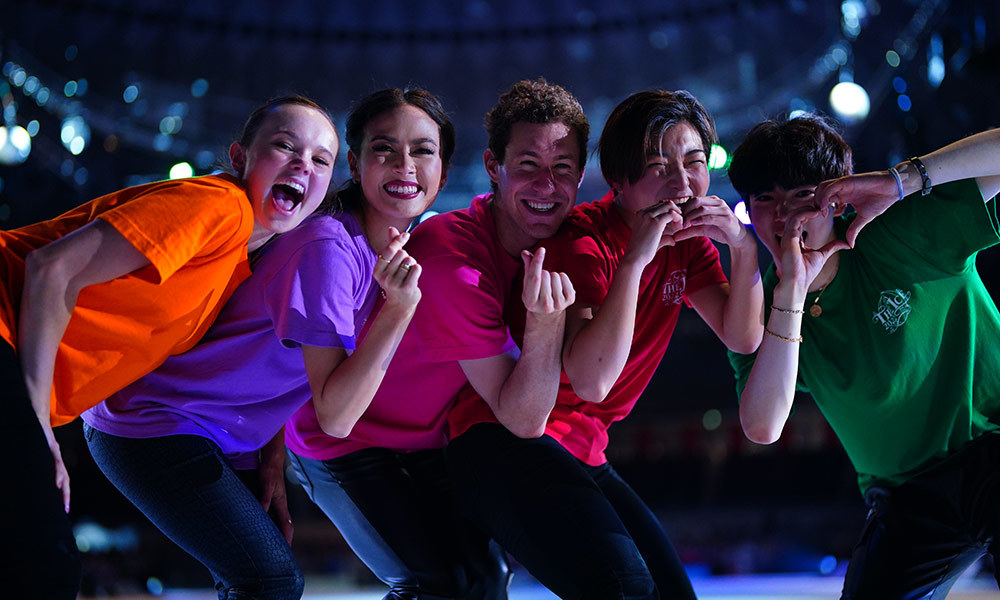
96,298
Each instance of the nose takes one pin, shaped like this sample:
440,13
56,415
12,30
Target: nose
544,181
300,163
677,180
404,164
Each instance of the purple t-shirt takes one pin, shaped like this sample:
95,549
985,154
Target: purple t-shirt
238,386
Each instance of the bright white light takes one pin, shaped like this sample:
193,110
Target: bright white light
740,210
15,145
77,144
427,215
850,101
717,157
935,70
181,170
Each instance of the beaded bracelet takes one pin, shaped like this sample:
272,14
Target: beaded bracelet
781,337
899,182
925,180
788,311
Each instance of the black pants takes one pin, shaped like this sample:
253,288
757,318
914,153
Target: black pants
41,560
921,535
396,511
570,525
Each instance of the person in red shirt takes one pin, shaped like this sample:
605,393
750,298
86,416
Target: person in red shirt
100,296
634,257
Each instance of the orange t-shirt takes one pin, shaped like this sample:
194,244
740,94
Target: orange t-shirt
194,232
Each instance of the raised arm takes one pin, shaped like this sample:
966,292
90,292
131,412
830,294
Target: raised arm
599,339
766,400
734,311
343,386
521,390
977,156
53,277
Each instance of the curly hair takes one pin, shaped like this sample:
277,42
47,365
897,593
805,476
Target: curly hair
536,101
789,153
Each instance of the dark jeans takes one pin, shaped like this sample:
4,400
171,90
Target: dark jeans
545,508
396,512
188,489
921,535
42,560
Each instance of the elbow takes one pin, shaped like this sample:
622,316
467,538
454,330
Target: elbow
44,269
590,389
338,428
747,342
758,432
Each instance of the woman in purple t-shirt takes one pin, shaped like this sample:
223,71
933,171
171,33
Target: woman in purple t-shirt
189,443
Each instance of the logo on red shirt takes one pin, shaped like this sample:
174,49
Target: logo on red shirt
673,289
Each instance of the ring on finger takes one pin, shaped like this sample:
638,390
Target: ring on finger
405,266
387,261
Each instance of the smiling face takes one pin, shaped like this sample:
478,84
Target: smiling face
676,169
536,184
287,166
400,166
768,211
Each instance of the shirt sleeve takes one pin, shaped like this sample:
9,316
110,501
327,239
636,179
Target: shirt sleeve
460,315
946,228
174,222
313,297
703,267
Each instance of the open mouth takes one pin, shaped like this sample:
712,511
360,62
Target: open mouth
287,195
540,207
403,191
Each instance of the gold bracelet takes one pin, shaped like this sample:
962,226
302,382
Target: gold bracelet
781,337
788,311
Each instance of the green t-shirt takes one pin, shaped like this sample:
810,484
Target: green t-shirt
903,360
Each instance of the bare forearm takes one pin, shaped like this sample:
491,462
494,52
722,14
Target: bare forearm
350,387
46,306
767,398
743,319
527,396
595,356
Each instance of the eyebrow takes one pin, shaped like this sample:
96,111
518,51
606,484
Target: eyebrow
688,153
533,154
389,138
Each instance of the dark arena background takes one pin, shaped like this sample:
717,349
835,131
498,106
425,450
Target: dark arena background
102,94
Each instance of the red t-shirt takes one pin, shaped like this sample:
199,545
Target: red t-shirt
466,280
589,248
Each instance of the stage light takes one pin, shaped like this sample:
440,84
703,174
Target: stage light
892,58
130,94
42,96
718,158
899,84
199,87
15,145
31,85
740,210
32,128
70,88
181,170
850,101
711,419
904,103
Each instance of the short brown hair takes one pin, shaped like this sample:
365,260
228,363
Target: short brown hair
535,101
635,126
256,118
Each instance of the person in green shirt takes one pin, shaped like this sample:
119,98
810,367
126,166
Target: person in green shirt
881,315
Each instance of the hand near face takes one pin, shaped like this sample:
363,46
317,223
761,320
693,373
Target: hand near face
397,272
653,229
800,264
711,217
545,293
869,193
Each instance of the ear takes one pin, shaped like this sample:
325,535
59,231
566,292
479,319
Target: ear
444,178
579,183
492,166
352,165
237,158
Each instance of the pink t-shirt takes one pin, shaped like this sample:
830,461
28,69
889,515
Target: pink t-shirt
466,280
589,248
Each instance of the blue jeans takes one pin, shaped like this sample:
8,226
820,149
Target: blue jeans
544,507
41,559
188,489
396,512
